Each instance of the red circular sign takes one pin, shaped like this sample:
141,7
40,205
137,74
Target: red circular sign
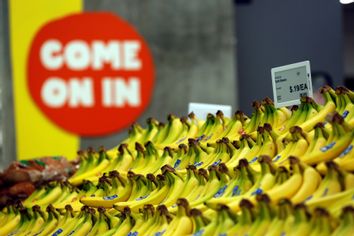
91,73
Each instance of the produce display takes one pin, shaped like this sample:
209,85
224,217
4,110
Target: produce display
278,172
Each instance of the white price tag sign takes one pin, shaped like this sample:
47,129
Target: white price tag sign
290,83
201,110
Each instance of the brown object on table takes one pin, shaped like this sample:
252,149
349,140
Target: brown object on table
20,179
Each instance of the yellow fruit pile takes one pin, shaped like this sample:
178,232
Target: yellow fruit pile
279,172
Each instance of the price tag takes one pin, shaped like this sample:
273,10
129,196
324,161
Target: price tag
290,83
201,110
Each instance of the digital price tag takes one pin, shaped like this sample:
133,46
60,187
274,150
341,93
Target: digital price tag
201,110
290,83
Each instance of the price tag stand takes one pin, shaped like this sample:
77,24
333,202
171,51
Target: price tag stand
290,83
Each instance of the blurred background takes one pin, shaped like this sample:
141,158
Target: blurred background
207,51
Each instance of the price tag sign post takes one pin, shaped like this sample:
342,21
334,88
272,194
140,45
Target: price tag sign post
290,83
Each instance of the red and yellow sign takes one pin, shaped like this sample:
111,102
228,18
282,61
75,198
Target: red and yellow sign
74,74
90,73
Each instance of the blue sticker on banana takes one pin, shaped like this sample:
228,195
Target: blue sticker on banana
59,231
133,233
181,140
253,160
196,164
142,197
220,192
177,163
276,158
200,138
257,192
160,233
236,191
199,233
308,198
216,163
327,147
346,151
345,114
110,197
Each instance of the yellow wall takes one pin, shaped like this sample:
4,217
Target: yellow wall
36,135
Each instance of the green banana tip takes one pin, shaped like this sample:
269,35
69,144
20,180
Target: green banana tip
263,198
191,167
260,130
320,211
195,212
171,117
90,150
347,210
337,118
293,160
219,114
183,119
242,163
167,168
101,149
191,115
319,125
264,158
202,172
284,201
182,202
294,108
268,101
245,203
295,129
267,127
139,147
222,207
113,174
222,168
101,209
256,105
325,89
122,147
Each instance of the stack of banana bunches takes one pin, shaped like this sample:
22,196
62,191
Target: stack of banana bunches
285,171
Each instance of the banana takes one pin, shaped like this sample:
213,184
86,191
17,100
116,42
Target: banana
181,224
284,216
289,188
328,108
161,222
53,192
38,221
311,181
84,225
13,219
302,224
123,159
219,127
345,227
265,214
101,164
126,225
234,128
331,184
199,221
335,147
51,221
135,134
321,222
244,220
176,186
175,128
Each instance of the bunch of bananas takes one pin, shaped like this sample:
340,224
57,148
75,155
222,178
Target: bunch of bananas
264,218
279,172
